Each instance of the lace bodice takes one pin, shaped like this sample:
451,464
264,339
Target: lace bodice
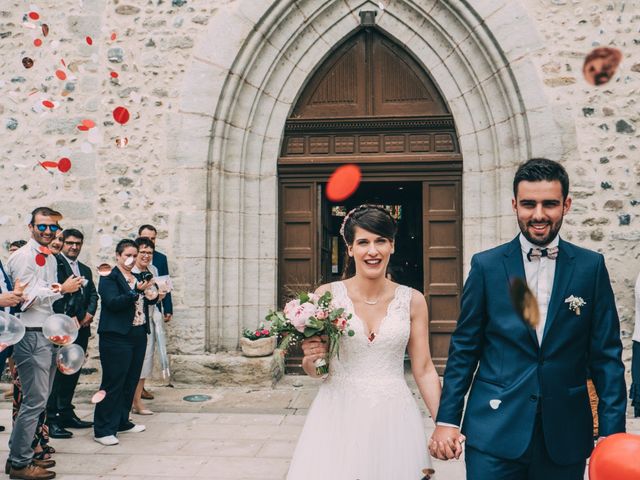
376,365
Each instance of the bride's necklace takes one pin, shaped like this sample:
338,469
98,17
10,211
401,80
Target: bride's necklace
370,302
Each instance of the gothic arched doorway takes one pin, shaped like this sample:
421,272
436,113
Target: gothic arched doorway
372,104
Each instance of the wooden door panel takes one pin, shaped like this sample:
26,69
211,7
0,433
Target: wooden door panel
442,262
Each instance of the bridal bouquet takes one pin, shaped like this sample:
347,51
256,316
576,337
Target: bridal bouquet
307,315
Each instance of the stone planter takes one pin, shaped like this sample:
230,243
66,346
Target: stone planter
258,348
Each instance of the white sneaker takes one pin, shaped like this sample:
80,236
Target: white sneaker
108,440
135,429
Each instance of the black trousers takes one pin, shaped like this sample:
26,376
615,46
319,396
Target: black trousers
121,357
635,379
60,404
535,464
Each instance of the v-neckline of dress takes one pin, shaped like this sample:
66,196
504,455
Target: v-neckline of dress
370,336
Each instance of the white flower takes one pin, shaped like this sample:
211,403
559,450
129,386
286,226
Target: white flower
575,303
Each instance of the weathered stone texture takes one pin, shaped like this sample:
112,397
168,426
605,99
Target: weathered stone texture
171,61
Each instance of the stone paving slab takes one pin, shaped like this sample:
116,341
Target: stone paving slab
240,434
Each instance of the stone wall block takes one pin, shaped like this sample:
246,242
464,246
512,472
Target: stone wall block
225,28
189,234
201,90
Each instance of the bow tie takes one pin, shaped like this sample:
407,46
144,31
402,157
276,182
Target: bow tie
551,253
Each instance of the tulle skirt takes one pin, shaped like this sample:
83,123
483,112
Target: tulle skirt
353,432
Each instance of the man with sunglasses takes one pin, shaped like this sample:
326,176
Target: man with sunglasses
34,355
82,306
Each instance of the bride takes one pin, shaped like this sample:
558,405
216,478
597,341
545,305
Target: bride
364,423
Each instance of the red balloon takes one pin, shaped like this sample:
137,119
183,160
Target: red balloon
343,182
64,164
616,458
121,115
41,260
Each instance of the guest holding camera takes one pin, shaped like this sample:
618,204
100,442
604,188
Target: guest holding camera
123,330
147,271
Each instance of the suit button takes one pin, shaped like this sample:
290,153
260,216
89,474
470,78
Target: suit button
533,398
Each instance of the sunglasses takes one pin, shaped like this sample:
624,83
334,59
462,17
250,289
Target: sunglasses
42,227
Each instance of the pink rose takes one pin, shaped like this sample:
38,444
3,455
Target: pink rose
265,332
321,314
291,307
301,315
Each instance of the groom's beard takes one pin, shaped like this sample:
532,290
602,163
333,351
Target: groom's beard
540,241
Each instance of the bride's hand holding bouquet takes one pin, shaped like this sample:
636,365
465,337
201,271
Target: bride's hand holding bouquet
313,317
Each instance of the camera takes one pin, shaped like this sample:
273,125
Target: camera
146,276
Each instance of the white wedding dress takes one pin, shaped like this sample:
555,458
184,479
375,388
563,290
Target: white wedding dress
364,423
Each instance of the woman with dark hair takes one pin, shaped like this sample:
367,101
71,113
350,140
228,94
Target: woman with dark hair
123,329
364,417
143,265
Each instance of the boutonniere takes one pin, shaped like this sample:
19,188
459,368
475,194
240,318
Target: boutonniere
575,303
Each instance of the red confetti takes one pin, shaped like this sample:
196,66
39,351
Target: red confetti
61,75
88,123
82,128
60,339
89,40
34,15
49,164
113,36
48,103
64,164
44,250
121,115
37,42
62,62
45,29
114,74
343,183
41,260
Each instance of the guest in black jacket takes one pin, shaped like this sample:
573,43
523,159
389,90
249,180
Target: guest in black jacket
82,306
123,329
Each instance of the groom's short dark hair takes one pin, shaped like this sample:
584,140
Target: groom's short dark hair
541,169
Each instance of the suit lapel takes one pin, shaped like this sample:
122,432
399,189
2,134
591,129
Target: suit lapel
564,271
515,269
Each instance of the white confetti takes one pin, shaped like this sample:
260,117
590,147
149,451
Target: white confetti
495,403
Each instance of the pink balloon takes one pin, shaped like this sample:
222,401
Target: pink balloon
98,396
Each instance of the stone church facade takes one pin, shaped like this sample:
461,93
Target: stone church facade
211,86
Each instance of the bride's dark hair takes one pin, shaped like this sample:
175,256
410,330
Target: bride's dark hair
372,218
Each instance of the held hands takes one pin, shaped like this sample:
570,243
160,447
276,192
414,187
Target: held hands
446,443
314,348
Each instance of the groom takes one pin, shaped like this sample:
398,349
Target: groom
528,415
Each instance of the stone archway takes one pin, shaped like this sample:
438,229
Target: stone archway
246,73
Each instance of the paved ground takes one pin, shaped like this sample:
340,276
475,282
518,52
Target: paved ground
241,433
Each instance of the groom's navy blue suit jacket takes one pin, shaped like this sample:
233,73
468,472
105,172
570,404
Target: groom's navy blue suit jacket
496,354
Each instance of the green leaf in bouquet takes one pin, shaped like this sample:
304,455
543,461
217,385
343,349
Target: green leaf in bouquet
313,322
310,332
351,333
304,297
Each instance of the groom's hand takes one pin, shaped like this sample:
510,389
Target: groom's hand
446,443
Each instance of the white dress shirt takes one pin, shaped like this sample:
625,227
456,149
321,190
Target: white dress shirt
636,330
73,264
22,266
540,272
